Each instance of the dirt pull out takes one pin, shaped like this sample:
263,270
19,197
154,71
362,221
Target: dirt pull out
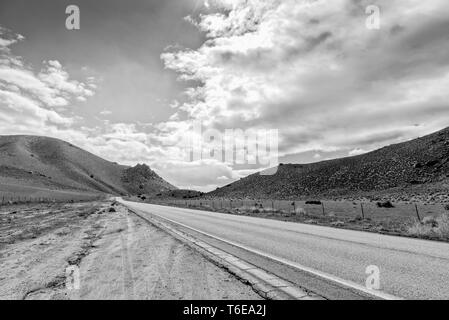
116,254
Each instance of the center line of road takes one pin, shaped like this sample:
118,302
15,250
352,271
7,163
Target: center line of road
345,283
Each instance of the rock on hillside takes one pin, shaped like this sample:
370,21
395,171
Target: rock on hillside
419,166
141,179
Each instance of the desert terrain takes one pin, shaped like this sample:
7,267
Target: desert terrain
38,167
118,256
63,236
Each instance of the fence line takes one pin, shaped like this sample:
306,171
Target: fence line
339,209
13,200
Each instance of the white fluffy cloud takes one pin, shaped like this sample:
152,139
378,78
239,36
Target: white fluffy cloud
23,96
309,68
312,67
27,99
313,70
30,103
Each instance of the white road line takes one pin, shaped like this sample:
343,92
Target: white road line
345,283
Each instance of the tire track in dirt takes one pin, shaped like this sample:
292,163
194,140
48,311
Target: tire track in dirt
119,255
164,282
127,266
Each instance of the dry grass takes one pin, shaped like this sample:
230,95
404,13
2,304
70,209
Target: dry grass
431,227
300,211
443,226
257,209
398,220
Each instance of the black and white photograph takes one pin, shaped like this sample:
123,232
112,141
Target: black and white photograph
224,158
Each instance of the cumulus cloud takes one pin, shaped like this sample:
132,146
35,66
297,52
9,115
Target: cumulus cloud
314,71
30,104
105,112
309,68
28,99
55,77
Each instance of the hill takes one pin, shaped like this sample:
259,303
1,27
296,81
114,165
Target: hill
416,168
42,163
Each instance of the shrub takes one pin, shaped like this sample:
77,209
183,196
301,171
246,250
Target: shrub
257,209
300,211
385,204
446,207
270,210
431,221
431,227
443,226
337,224
420,230
254,209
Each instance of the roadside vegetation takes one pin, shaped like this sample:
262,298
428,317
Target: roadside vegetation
386,217
431,228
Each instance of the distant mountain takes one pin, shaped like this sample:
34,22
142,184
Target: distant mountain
408,169
48,163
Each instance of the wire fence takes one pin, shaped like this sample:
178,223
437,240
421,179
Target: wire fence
338,209
20,199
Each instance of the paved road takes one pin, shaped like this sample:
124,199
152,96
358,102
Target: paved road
409,268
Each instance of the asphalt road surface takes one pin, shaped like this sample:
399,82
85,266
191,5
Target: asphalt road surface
409,268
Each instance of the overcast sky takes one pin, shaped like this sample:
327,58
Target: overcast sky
137,73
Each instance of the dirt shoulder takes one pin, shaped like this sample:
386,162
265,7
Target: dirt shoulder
117,255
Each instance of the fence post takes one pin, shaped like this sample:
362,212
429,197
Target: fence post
322,206
363,212
294,206
417,213
230,204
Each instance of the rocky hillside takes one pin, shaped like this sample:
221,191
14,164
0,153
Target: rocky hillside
48,163
420,166
141,179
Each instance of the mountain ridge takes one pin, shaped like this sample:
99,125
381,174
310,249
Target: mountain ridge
418,166
52,163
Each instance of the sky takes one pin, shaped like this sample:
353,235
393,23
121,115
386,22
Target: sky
131,83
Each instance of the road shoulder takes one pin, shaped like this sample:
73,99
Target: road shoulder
118,256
